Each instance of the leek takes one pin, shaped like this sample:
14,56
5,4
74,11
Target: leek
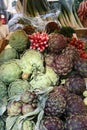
69,12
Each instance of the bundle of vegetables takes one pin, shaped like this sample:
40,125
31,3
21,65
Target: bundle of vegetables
68,15
82,12
42,90
80,45
34,8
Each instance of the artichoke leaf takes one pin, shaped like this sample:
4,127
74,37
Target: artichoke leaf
2,109
3,105
10,122
40,117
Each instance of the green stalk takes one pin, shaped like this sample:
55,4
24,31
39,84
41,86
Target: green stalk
60,18
39,7
68,6
67,19
35,11
29,8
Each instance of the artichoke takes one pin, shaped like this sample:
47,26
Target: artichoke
19,40
76,122
80,65
26,108
8,54
14,108
32,60
18,87
27,125
62,64
10,71
75,105
53,123
55,105
28,97
44,80
75,84
57,42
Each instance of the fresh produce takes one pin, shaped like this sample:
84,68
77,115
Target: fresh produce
56,42
68,15
32,60
71,52
75,105
29,100
82,12
80,66
22,105
43,90
55,105
27,124
28,97
75,84
52,27
62,64
17,87
49,59
38,41
67,31
8,54
44,80
35,7
61,90
19,40
27,108
76,122
79,45
53,123
14,108
10,71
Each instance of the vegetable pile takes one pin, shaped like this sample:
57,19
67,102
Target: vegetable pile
43,75
43,89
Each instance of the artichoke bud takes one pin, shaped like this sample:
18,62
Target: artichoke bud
28,97
14,108
27,125
26,108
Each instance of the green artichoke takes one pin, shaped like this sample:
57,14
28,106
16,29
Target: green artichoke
10,71
19,40
44,80
27,125
8,54
18,87
14,108
32,60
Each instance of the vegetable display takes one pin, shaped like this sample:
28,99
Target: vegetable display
68,15
43,74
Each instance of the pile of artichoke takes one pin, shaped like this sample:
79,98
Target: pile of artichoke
36,88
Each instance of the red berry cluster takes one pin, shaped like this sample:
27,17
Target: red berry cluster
38,41
80,45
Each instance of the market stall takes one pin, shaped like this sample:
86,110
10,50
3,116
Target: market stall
43,66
